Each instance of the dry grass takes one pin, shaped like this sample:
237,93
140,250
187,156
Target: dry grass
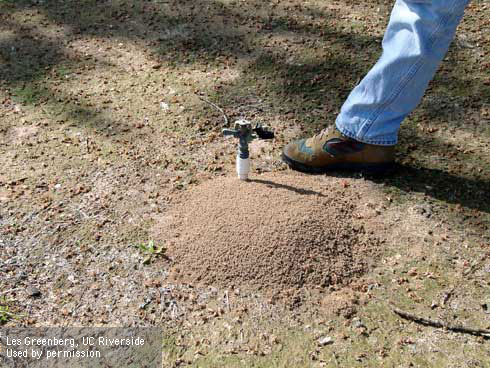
100,128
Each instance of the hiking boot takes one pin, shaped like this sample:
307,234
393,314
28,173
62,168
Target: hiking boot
331,150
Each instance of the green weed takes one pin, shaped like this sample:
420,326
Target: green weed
151,251
28,95
5,313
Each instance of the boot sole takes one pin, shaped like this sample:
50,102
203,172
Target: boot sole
373,169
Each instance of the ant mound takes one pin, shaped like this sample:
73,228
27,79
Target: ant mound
277,231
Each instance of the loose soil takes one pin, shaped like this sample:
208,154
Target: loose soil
274,232
100,129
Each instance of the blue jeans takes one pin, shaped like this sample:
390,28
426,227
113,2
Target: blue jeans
417,39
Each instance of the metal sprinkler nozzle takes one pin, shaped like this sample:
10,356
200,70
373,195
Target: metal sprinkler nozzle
245,133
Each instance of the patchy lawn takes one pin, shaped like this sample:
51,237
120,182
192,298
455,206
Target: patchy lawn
101,128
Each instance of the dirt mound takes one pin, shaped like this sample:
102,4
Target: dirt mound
277,231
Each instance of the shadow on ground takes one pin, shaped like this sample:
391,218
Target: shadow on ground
304,81
302,191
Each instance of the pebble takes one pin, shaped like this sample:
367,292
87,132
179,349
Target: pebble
357,323
33,291
325,340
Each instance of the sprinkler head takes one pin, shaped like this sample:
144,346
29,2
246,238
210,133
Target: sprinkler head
263,132
245,133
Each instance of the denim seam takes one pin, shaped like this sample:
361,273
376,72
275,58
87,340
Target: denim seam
350,134
368,122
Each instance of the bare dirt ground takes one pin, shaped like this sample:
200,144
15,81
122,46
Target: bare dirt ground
101,134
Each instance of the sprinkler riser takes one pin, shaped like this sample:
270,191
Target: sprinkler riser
245,133
242,167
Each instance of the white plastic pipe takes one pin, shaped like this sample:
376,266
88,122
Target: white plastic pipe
242,167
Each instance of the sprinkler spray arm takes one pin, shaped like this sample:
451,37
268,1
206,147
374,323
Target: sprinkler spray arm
245,133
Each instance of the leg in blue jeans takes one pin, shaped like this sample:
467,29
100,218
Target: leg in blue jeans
417,39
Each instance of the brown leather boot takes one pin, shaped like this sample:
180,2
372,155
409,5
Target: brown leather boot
330,150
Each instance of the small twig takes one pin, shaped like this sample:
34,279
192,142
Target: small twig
225,117
439,324
447,295
227,301
9,314
251,105
9,291
474,266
